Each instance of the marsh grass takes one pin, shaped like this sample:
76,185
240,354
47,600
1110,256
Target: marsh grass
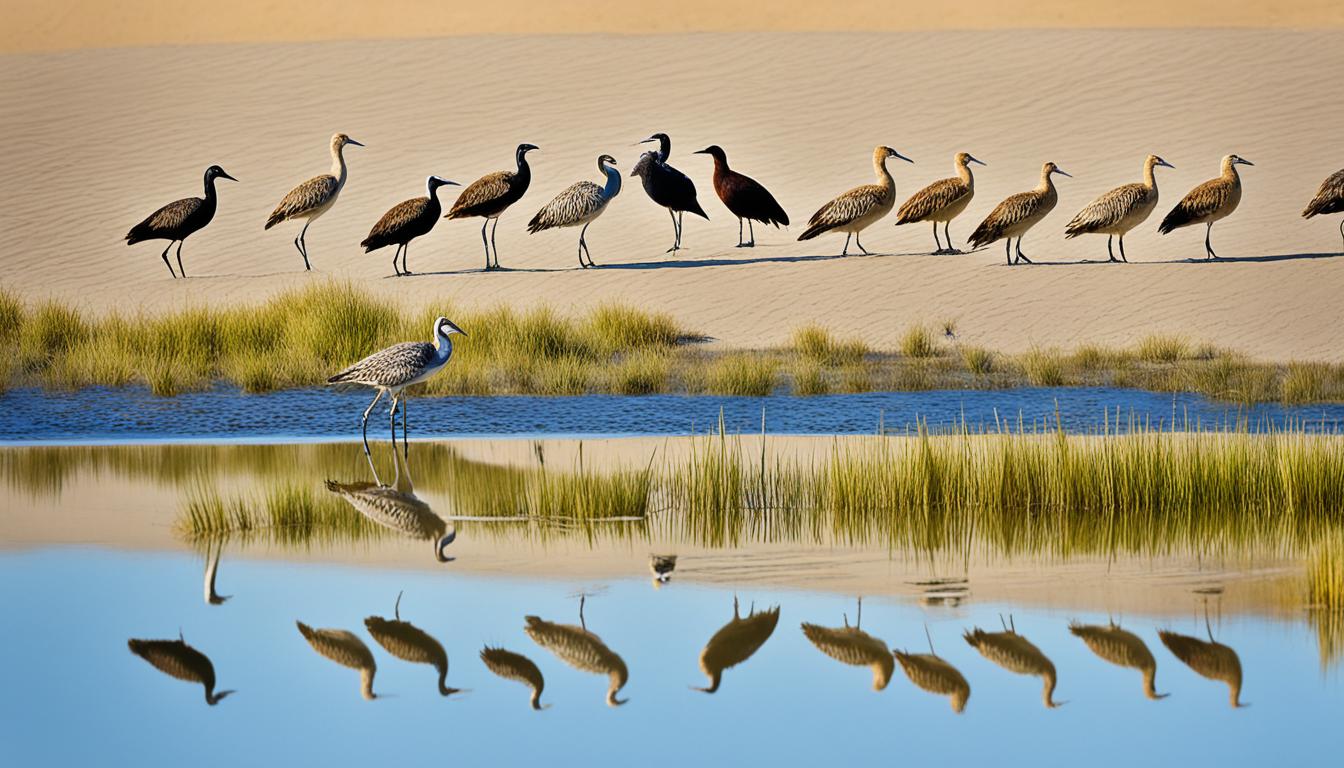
1044,368
286,514
917,342
742,374
1325,576
978,360
1163,349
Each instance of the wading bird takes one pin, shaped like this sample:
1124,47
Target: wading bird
1329,199
392,370
744,196
315,196
735,642
932,673
581,203
345,649
515,666
407,221
667,186
178,220
1208,203
852,646
582,650
410,643
177,659
1123,649
942,201
1017,214
491,195
1016,654
1120,210
1211,660
397,508
857,209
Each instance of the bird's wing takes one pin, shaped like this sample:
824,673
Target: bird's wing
1329,198
931,199
847,207
754,200
482,191
172,215
305,197
389,367
1007,213
396,218
573,205
1108,209
1201,201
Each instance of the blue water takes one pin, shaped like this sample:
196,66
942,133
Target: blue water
224,414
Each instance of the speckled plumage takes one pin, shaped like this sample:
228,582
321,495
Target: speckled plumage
396,366
735,642
1016,654
1018,213
860,207
346,649
515,666
934,674
1122,648
1211,201
581,650
177,659
410,643
580,203
853,646
305,199
1209,659
1329,198
390,508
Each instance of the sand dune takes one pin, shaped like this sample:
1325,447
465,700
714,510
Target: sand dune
96,140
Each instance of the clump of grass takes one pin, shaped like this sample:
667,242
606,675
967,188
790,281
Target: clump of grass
11,316
620,328
742,374
1162,349
817,345
1325,575
644,372
809,378
918,342
978,360
1305,382
1044,367
51,331
857,378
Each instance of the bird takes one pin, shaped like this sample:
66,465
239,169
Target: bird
858,208
1016,654
735,642
942,201
667,186
933,673
491,195
213,552
406,221
1017,214
410,643
662,566
582,650
1120,210
346,649
314,197
744,196
180,219
1211,660
397,508
515,666
1329,199
397,367
1208,203
1122,648
177,659
853,646
580,203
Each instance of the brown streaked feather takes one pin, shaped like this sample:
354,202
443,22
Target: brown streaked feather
931,199
844,209
572,206
1201,202
303,198
1011,211
391,225
1329,198
486,196
1108,210
171,216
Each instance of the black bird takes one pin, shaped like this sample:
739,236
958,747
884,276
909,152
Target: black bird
178,220
744,196
667,186
405,222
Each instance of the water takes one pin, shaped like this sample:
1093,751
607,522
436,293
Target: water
72,611
134,415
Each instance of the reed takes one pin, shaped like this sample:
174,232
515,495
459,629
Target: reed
918,343
742,374
1325,576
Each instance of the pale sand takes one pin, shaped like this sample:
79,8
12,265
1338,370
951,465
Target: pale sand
95,140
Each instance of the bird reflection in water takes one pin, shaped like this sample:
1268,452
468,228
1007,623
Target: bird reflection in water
345,649
410,643
396,507
1210,659
179,660
1123,649
1016,654
515,666
934,674
582,650
214,548
853,646
735,642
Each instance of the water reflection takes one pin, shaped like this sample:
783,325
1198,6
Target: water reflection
214,549
346,649
1209,659
1122,648
515,666
735,642
179,660
934,674
1016,653
853,646
410,643
582,650
396,507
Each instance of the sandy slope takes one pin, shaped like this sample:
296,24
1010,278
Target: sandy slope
95,140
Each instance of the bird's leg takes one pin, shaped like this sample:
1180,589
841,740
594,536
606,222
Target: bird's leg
405,447
1208,248
583,246
1341,231
751,231
681,226
302,243
740,244
494,247
845,251
938,245
676,233
168,263
1020,255
1122,250
180,270
405,270
1007,250
859,242
1109,253
486,243
947,235
582,623
392,421
395,254
364,422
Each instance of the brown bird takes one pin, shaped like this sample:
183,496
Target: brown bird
1017,214
582,650
1329,199
735,642
315,196
177,659
410,643
858,208
1211,660
345,649
852,646
1208,203
515,666
932,673
1120,210
180,219
491,195
943,201
405,222
1016,654
744,196
1122,648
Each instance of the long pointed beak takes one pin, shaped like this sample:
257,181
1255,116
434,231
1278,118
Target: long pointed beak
646,141
979,162
700,152
1245,162
1062,173
903,157
227,176
1165,164
356,143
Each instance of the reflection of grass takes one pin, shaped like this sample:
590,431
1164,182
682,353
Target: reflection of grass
286,514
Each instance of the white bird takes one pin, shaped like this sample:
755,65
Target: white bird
581,203
394,369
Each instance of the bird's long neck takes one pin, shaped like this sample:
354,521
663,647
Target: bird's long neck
524,170
613,186
210,191
1150,683
444,344
880,168
1150,175
715,677
720,165
536,698
1230,172
664,148
444,690
964,172
338,163
366,682
1048,691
